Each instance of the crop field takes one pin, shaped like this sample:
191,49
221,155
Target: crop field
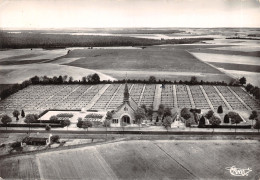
240,48
141,63
11,74
224,58
143,159
37,98
27,56
19,168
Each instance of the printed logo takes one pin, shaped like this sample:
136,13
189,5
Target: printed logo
238,171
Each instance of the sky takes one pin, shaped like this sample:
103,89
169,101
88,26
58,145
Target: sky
37,14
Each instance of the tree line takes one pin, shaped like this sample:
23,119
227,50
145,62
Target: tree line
95,79
39,40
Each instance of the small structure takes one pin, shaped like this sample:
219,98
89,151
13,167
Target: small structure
124,114
37,141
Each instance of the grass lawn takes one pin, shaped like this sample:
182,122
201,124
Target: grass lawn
143,60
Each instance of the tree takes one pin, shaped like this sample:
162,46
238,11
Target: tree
22,113
161,110
86,124
157,119
47,127
152,79
54,119
144,107
202,122
108,119
193,80
89,78
220,109
109,115
107,124
214,121
6,120
185,113
167,121
242,80
95,78
167,112
235,118
226,118
30,118
253,116
80,122
256,92
16,113
257,124
64,78
139,115
84,79
60,80
70,79
209,114
55,138
35,80
66,123
249,87
150,112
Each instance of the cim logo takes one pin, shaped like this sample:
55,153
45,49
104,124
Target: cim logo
238,171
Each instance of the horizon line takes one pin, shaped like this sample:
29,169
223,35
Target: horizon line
145,27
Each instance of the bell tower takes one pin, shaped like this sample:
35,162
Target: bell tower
126,92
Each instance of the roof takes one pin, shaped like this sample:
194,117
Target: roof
131,103
34,139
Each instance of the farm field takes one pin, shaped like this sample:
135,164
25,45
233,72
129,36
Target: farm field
238,67
18,73
240,48
19,168
251,77
142,63
235,66
143,159
27,56
144,59
224,58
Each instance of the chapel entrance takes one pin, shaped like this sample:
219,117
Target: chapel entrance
126,119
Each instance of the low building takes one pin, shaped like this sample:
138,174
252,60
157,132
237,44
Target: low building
125,113
37,141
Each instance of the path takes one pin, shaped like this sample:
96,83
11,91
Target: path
66,96
157,97
97,96
115,93
190,97
222,97
207,98
141,96
174,96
